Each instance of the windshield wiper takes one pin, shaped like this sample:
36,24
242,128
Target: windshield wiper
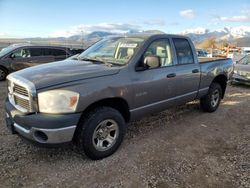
90,59
95,59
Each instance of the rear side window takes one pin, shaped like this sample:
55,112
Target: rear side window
36,52
59,52
183,51
54,52
48,51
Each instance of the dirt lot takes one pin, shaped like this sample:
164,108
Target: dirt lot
180,147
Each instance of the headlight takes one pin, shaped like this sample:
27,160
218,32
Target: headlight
58,101
242,73
235,72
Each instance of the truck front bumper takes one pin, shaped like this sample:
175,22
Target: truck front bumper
42,128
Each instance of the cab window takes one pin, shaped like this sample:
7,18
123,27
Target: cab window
183,51
22,53
162,49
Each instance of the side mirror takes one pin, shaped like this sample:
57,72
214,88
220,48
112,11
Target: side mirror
152,61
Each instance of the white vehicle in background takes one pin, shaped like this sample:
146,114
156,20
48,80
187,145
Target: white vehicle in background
246,50
232,53
214,53
236,55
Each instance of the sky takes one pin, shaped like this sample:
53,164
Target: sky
60,18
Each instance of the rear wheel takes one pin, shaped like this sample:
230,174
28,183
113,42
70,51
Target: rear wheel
100,133
3,74
211,101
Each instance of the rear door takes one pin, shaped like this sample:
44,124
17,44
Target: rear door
48,55
187,71
37,56
59,54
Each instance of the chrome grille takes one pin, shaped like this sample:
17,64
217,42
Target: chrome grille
22,94
20,90
24,103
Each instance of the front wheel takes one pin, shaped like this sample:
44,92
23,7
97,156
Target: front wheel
100,133
3,74
211,101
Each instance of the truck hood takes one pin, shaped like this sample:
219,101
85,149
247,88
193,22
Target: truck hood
51,74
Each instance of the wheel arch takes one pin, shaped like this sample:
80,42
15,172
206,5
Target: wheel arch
4,68
222,81
117,103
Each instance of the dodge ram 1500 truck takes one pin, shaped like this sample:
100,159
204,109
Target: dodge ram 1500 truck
119,79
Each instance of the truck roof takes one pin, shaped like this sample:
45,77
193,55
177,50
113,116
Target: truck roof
35,45
146,35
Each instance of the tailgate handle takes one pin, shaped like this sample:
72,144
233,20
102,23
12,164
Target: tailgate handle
195,71
171,75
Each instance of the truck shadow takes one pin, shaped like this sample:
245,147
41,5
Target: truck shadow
66,151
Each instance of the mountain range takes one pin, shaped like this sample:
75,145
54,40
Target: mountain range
240,36
237,35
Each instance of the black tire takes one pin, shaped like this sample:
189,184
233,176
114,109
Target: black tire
207,103
3,74
89,124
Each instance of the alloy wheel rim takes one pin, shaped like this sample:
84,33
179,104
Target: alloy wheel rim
105,135
215,98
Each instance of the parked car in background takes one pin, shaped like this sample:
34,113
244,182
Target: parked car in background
214,53
117,80
242,71
19,56
201,53
236,56
246,50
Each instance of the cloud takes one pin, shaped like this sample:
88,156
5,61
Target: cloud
188,13
156,22
3,34
198,30
174,23
108,27
242,18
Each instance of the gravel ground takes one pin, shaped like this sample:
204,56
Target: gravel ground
180,147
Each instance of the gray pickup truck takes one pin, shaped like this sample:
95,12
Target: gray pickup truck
119,79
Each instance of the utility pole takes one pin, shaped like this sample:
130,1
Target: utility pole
82,38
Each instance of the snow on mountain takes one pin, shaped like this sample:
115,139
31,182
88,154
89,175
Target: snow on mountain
239,32
227,33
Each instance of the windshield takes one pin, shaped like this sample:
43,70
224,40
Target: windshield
6,50
112,50
245,60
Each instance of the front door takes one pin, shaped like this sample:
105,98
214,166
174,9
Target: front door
155,86
20,58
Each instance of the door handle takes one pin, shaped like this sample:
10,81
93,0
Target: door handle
195,71
171,75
